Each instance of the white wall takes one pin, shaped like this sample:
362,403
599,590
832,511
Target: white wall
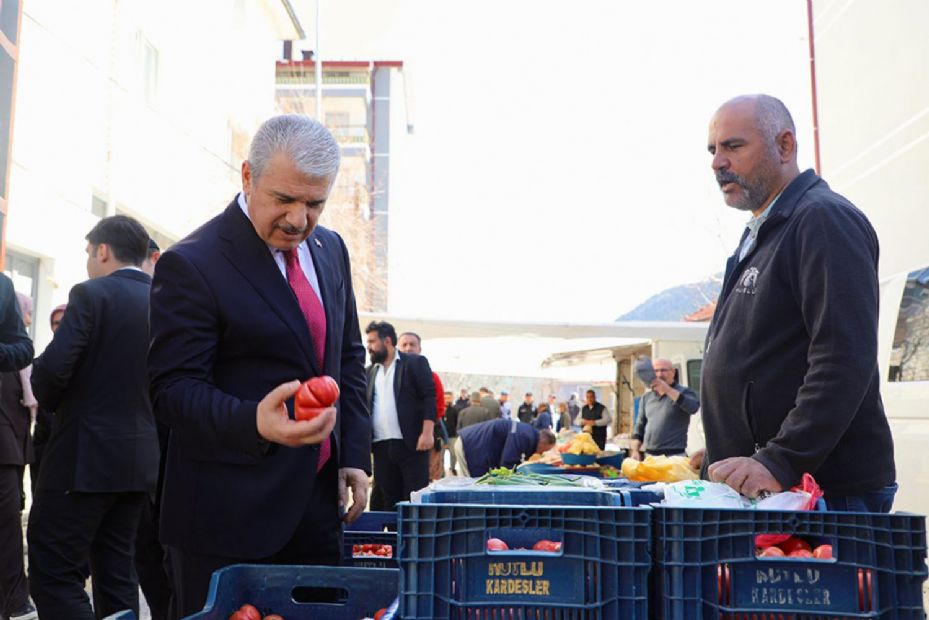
83,123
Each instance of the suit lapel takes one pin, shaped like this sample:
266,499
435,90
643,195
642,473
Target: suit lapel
398,374
372,372
250,256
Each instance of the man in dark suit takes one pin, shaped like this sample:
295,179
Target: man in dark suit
101,461
252,302
401,395
15,354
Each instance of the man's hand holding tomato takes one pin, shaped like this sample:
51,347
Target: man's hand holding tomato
275,425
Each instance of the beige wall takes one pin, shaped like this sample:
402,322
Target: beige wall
872,64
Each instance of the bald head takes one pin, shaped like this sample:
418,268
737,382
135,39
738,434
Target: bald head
663,369
754,147
771,115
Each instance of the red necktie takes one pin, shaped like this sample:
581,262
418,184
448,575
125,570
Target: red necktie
315,318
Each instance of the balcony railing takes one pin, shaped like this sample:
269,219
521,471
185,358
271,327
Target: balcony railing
309,79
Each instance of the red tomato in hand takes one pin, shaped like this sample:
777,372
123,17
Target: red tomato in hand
771,552
495,544
793,543
307,413
547,545
305,397
324,389
800,553
823,552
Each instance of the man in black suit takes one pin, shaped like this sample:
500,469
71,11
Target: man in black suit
101,461
401,395
254,301
15,354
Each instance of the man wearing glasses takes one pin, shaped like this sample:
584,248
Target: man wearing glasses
664,415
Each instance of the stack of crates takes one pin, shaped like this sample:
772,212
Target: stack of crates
599,571
706,567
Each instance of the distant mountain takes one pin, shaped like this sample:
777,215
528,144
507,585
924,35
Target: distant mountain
675,303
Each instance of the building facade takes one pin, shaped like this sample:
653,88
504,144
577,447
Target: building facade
135,107
358,107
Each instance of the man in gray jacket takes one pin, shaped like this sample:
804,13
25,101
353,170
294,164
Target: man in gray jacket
664,415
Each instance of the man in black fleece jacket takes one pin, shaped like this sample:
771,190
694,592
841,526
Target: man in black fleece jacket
790,378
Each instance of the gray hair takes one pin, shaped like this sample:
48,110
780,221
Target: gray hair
311,147
772,117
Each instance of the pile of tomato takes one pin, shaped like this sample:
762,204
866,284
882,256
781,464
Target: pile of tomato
795,547
250,612
371,550
547,546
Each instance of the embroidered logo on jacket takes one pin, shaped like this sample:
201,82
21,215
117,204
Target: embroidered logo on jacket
748,281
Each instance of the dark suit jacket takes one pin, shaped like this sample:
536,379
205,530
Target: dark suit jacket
414,394
226,330
15,354
15,346
93,376
15,418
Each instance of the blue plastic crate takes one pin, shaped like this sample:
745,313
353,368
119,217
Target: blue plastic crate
631,493
351,593
352,558
600,572
523,496
705,565
374,521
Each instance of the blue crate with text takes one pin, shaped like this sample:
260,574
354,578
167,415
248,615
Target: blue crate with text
706,565
461,561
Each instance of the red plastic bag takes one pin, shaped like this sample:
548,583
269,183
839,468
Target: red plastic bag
807,485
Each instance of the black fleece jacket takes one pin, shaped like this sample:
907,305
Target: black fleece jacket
790,372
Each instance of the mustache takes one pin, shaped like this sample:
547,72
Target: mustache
723,177
291,230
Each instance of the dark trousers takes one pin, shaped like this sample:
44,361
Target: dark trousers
398,471
151,563
672,452
881,500
14,590
68,528
599,435
317,540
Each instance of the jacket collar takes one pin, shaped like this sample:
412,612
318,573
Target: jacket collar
249,255
132,274
790,197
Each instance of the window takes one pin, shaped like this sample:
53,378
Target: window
693,375
909,357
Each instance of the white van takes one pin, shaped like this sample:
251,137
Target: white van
903,357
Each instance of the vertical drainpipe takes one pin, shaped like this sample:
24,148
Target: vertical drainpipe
809,19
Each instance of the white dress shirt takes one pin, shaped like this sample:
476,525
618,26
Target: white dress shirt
303,255
384,416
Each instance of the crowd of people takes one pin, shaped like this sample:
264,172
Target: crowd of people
165,443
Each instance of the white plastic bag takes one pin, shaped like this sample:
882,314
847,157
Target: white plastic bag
702,494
